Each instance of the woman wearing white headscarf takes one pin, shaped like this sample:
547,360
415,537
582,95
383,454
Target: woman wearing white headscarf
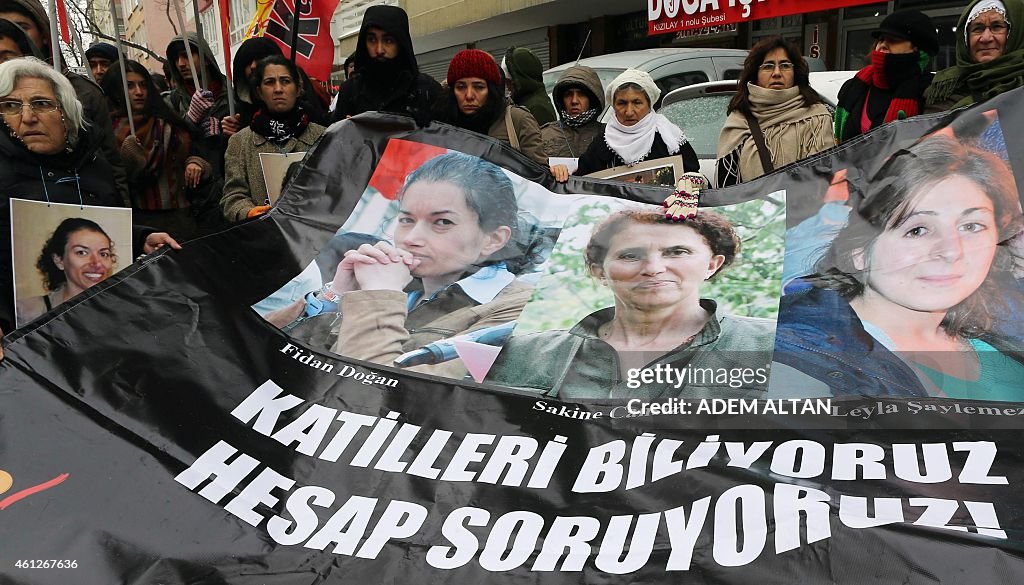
636,133
989,56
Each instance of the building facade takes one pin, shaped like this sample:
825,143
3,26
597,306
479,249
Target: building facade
559,31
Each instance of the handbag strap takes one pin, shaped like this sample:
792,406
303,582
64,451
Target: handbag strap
762,149
513,136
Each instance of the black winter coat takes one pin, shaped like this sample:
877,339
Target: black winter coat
599,157
412,97
55,178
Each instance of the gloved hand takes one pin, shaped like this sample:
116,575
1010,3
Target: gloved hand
257,211
682,204
211,127
199,107
131,151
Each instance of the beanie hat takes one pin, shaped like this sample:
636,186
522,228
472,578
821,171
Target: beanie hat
102,50
473,63
913,26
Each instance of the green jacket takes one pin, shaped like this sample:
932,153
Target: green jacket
527,75
729,358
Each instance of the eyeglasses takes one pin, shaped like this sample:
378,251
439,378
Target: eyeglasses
770,66
39,106
997,28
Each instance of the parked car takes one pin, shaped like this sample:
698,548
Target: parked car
700,110
670,68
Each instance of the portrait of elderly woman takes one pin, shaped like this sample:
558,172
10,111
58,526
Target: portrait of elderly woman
450,268
655,269
906,300
50,153
77,256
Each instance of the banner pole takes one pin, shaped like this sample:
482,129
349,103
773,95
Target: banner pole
124,75
77,40
54,39
188,48
199,31
295,27
225,32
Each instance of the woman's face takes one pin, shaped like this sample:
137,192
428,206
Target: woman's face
776,71
88,260
138,92
278,89
575,101
631,106
42,132
656,266
442,232
939,256
470,94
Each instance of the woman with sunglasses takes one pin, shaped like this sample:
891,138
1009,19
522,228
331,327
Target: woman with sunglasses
775,118
51,155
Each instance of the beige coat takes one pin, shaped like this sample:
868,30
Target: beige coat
526,129
377,328
244,187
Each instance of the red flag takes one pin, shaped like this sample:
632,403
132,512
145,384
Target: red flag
315,46
62,18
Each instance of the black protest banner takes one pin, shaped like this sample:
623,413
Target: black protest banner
158,430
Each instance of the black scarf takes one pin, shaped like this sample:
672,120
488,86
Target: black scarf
896,84
280,127
484,118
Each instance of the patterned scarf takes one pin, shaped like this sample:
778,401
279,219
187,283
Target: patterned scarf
160,184
280,128
579,119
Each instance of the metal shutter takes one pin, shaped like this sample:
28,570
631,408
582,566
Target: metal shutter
435,63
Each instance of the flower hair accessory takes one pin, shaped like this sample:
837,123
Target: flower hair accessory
682,204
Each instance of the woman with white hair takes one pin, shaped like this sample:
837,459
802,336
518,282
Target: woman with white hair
636,133
50,154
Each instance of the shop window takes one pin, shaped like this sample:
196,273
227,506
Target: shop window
879,10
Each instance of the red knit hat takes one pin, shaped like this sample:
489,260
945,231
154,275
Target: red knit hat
473,63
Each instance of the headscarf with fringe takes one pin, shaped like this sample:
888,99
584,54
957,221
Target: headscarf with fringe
982,81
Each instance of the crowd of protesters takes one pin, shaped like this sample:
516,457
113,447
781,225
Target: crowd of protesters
187,166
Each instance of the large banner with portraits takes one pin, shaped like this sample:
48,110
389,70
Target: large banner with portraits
430,362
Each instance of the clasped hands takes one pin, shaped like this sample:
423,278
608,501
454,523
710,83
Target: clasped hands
379,266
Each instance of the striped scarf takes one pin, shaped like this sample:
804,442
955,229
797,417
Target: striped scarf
160,184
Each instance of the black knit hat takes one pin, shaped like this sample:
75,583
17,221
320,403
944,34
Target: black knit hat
102,50
911,25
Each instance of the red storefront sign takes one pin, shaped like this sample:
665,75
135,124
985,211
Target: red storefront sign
671,16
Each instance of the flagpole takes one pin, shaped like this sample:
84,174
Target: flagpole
295,27
124,75
77,40
199,31
224,7
54,40
184,37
